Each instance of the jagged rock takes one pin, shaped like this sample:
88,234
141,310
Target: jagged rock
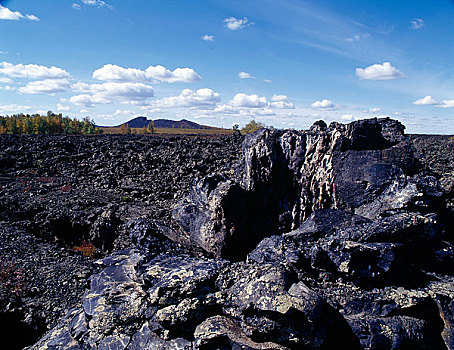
352,236
103,231
209,216
273,308
220,332
291,174
149,236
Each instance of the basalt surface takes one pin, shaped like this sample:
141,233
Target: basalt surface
339,236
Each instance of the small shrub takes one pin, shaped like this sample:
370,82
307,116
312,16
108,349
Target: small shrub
86,248
251,127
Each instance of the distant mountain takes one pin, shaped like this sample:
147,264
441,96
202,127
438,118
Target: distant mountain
141,122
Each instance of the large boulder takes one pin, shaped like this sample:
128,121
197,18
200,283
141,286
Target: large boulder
285,175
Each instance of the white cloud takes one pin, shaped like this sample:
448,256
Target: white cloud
428,100
348,117
279,98
32,17
267,81
446,104
326,105
6,13
226,109
282,105
205,98
83,100
5,80
98,3
233,23
244,75
32,71
60,107
110,72
111,92
14,108
48,86
374,110
179,75
379,72
84,111
76,6
417,23
358,37
125,112
207,37
248,101
8,88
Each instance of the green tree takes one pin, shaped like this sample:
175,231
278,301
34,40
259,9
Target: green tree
251,127
150,127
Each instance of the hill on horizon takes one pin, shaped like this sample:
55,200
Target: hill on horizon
140,122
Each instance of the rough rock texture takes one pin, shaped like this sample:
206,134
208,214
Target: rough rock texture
336,237
286,175
58,191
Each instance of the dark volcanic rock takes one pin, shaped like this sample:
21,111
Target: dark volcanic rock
334,237
285,175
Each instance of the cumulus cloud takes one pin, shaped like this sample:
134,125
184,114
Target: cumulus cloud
379,72
111,92
446,104
325,105
248,101
417,23
6,13
205,98
245,75
32,71
374,110
111,72
76,6
48,86
425,101
233,23
207,37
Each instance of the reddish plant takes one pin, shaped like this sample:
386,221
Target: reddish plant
12,277
66,189
86,248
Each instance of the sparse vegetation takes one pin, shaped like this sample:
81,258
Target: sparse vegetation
51,124
86,248
12,277
150,127
251,127
125,129
173,131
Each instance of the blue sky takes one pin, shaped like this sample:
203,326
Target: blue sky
285,63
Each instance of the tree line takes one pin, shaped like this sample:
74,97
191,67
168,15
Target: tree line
51,124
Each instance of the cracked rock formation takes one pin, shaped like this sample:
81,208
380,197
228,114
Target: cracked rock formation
337,237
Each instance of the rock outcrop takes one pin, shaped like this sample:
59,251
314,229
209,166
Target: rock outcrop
332,238
284,176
